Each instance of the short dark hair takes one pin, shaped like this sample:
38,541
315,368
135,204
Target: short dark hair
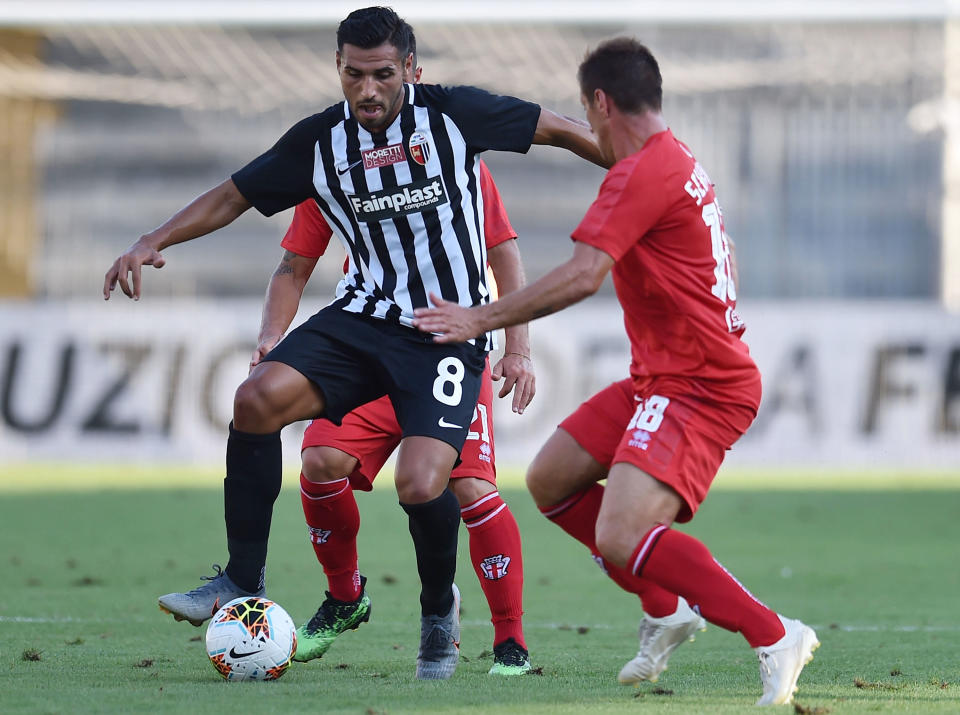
412,48
372,26
626,71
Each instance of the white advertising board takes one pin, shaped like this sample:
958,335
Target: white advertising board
845,384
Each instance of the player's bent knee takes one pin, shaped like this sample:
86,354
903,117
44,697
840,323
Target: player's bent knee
417,494
251,411
468,489
615,543
326,464
533,480
418,491
541,487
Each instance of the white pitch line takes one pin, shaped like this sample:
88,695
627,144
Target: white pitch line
864,628
821,627
66,619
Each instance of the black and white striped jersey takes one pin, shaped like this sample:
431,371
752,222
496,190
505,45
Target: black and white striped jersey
406,203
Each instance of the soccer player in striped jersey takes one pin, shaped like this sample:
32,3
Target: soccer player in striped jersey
336,460
395,171
659,437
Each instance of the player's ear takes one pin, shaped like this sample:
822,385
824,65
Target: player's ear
601,102
338,61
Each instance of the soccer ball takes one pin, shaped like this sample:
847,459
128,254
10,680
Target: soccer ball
251,638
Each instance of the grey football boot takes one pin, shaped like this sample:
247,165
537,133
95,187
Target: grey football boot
201,603
440,643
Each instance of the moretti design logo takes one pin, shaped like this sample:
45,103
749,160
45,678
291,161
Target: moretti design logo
399,200
419,148
383,156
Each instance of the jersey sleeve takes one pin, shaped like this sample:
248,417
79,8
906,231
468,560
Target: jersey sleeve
282,176
487,121
309,233
496,225
629,204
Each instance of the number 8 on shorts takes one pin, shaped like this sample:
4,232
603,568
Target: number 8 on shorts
450,372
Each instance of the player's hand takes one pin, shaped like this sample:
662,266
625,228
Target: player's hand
126,269
451,322
266,344
517,374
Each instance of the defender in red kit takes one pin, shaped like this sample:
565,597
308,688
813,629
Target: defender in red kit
659,437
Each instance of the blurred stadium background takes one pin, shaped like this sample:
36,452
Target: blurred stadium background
831,129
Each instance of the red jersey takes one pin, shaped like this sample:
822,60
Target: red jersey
657,216
309,233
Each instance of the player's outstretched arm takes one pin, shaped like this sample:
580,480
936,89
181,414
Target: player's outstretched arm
282,300
565,285
516,366
212,210
571,134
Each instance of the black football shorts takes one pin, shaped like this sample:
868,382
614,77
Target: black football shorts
354,359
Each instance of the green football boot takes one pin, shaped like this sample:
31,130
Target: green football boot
315,637
510,658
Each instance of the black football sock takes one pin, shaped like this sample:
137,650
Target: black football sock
434,526
252,484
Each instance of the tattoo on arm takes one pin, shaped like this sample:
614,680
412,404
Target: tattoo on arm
575,120
285,268
546,310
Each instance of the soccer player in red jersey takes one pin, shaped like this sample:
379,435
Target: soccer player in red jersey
659,437
338,459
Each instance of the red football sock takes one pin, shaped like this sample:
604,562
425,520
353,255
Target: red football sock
657,602
334,521
496,555
577,515
682,564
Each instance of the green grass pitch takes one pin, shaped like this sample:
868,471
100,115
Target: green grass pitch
873,569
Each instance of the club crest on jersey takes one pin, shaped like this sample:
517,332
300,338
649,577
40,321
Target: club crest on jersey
495,567
383,156
419,148
319,536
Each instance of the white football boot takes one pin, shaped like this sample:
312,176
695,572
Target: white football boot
781,662
659,637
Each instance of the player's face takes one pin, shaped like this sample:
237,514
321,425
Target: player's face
599,125
372,82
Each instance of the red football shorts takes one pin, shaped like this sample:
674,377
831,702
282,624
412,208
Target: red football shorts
371,433
671,430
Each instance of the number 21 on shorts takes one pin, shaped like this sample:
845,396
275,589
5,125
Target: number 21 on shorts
649,413
448,387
